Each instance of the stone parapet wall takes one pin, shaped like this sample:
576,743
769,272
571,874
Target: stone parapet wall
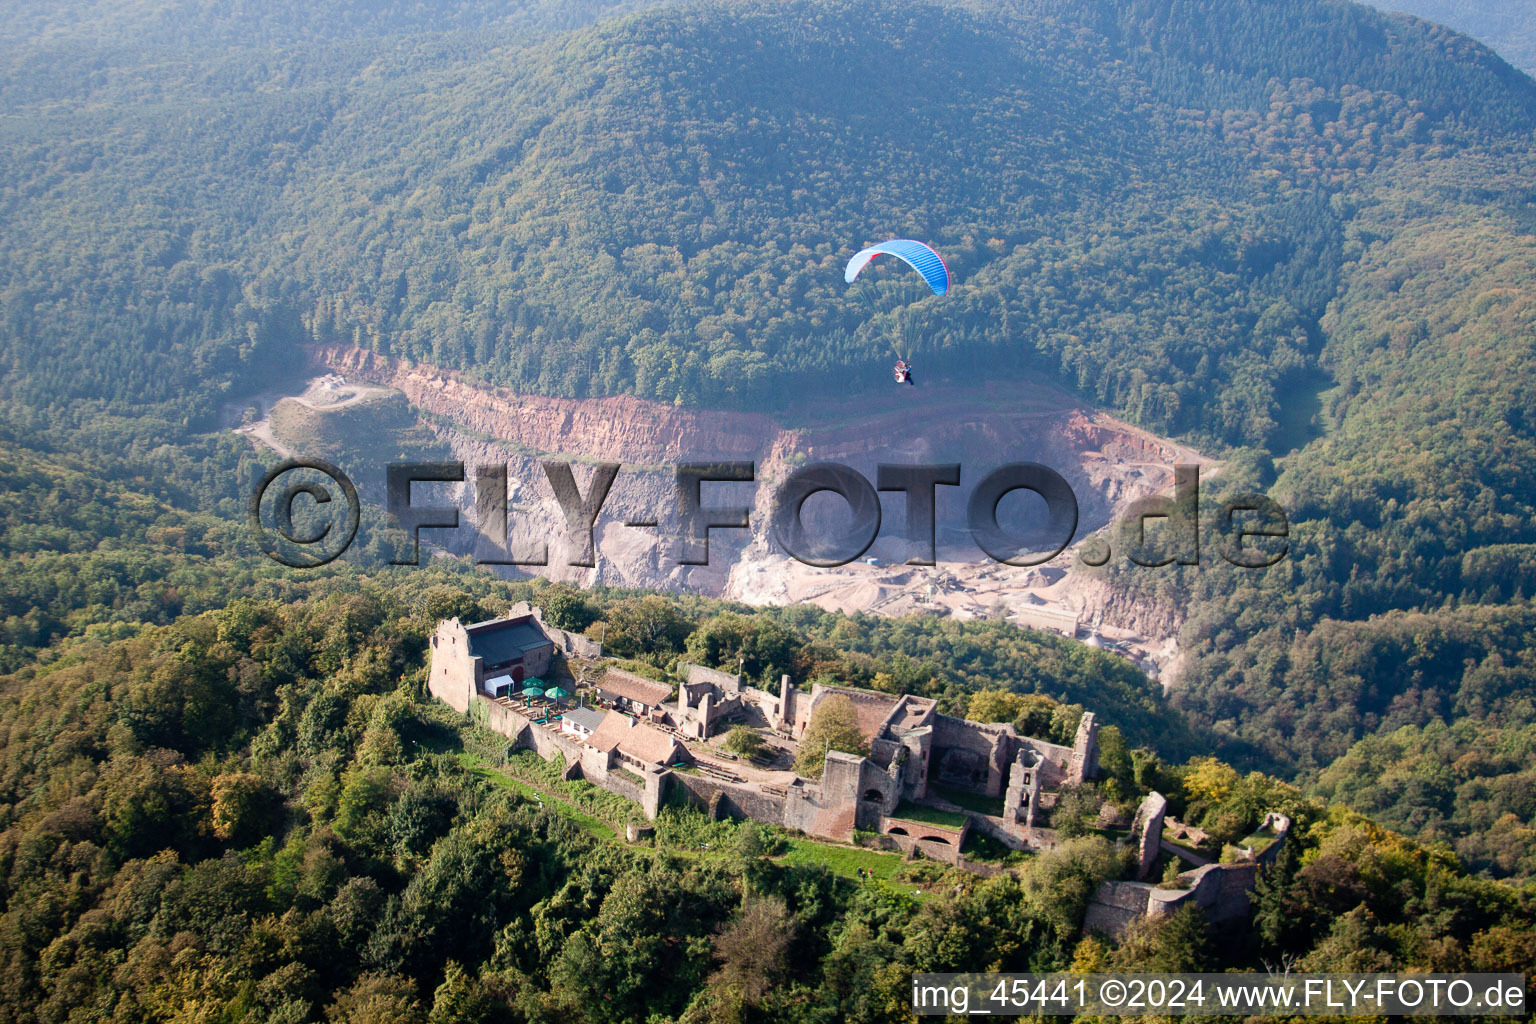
726,681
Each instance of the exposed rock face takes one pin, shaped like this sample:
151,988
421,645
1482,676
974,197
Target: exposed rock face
1108,463
621,429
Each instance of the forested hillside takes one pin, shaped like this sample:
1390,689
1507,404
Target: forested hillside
1299,234
1509,26
660,204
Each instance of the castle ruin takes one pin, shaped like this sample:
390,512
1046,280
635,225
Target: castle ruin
928,783
928,780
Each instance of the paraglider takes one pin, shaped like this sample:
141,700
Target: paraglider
933,271
920,257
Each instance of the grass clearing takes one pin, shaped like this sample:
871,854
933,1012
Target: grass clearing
843,860
501,779
1260,841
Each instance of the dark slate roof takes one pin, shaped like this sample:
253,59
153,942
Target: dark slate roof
502,640
587,718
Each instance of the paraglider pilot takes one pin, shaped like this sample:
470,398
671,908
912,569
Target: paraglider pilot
922,258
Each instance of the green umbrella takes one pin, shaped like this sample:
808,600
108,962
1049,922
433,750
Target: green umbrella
555,693
532,691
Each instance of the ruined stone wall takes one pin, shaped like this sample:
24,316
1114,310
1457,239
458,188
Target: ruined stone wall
918,763
1084,763
728,799
536,662
1147,832
803,807
1221,891
1050,751
794,709
941,852
584,762
879,792
869,707
702,707
961,749
1115,906
498,718
997,745
806,809
1051,774
935,841
841,781
1280,825
1021,800
988,827
616,783
571,644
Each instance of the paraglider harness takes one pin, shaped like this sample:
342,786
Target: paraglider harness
903,372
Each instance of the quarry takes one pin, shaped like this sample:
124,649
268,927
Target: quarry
360,407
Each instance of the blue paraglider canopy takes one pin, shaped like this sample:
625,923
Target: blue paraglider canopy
916,255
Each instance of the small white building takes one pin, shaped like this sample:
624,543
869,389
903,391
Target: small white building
580,722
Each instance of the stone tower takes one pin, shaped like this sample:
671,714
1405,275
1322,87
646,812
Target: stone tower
1085,751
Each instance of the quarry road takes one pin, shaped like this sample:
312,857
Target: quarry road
325,393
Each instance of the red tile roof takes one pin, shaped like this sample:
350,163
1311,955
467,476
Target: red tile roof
632,687
632,738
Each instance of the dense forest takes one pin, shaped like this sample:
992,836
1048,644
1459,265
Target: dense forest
660,204
1300,235
252,813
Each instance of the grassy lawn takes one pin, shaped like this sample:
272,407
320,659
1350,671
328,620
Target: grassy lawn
593,825
928,815
1111,834
843,860
990,805
1260,841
